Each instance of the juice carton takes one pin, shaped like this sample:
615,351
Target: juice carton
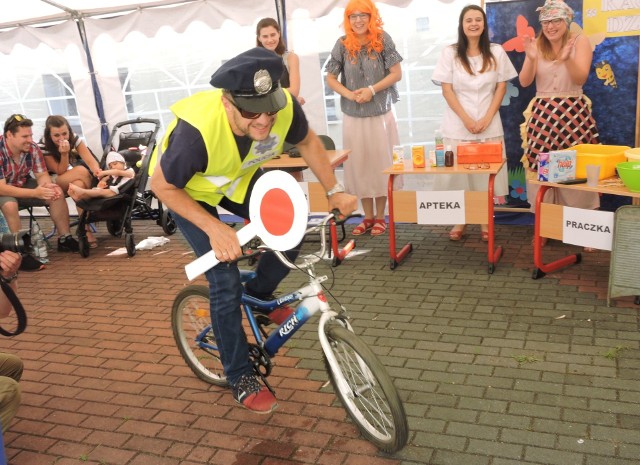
417,156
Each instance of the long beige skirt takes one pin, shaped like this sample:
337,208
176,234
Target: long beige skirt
371,141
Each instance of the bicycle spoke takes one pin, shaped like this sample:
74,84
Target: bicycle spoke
191,323
374,405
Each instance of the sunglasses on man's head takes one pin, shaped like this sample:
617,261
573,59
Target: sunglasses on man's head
251,114
14,119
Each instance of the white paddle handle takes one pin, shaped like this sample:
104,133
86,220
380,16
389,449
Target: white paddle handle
209,260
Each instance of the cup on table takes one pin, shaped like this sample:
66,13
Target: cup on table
593,175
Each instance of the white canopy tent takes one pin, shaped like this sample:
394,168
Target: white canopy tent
148,54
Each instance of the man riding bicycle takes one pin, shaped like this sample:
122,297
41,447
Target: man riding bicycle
211,155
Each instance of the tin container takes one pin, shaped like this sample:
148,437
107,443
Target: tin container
417,156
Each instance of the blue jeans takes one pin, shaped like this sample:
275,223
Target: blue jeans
225,289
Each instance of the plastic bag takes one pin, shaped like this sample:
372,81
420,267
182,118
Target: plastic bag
40,246
151,242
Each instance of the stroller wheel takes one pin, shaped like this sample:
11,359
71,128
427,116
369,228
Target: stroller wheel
130,244
115,227
83,246
168,223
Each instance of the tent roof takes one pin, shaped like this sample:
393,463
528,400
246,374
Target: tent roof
47,11
43,12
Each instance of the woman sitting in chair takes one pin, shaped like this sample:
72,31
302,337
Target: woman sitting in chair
67,156
69,160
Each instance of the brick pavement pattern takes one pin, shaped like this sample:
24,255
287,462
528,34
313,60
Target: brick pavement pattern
493,369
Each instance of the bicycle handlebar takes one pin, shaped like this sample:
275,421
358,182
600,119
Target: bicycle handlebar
321,226
334,215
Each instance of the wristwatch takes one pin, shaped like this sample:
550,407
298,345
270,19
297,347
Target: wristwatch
8,279
335,190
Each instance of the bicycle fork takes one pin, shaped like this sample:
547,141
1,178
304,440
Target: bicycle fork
337,370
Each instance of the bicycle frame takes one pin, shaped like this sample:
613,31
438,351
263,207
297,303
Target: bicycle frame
311,298
359,379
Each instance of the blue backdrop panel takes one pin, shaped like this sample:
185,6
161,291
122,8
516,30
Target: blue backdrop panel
614,108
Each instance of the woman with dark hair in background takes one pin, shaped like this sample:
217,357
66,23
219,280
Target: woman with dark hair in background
473,74
269,36
68,159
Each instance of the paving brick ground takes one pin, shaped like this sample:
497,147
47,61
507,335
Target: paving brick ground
493,369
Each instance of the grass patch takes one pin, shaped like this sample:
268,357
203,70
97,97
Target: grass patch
524,359
615,352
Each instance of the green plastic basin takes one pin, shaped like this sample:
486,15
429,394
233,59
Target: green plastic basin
629,172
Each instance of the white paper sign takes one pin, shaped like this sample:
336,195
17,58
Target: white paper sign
440,207
588,228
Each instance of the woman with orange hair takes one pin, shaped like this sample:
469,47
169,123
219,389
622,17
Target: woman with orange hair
368,64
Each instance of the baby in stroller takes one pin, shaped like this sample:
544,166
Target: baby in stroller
110,180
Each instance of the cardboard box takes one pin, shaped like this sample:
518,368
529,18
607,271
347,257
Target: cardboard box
480,152
557,166
607,156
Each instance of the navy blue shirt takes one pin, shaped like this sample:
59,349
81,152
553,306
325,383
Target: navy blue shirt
186,153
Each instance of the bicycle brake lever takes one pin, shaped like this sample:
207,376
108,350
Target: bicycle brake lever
339,218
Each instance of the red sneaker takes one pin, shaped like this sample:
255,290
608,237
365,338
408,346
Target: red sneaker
280,314
249,393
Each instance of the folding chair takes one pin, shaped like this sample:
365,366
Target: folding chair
29,205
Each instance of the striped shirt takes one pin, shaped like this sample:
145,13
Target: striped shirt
366,71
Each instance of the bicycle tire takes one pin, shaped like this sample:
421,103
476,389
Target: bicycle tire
371,399
190,316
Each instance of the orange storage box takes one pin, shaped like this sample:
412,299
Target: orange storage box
480,152
607,156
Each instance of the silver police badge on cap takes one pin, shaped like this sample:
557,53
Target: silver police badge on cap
262,81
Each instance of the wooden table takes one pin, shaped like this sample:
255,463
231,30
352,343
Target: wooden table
479,207
548,222
317,196
336,158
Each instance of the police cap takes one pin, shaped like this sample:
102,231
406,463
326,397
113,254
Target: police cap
253,79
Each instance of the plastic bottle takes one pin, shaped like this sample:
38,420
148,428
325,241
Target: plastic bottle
448,157
439,148
432,158
40,249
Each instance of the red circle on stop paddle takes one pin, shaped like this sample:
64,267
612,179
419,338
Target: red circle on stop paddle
276,212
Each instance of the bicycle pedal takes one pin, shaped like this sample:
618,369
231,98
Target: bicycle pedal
266,383
262,319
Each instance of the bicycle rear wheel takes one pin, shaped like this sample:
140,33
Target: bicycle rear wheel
366,390
191,325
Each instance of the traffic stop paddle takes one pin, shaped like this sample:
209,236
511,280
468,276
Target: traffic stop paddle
278,213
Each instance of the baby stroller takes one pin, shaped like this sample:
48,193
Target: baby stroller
133,200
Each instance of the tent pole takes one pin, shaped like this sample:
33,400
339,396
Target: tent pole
282,20
104,131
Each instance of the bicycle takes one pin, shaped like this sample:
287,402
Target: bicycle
359,379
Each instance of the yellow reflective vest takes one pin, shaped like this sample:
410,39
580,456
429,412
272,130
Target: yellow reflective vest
226,174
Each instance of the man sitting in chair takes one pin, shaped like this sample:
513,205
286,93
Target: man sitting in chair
19,157
111,180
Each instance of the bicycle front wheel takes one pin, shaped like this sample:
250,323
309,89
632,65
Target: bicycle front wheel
191,325
366,390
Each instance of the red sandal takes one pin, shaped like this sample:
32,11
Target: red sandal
363,227
379,227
